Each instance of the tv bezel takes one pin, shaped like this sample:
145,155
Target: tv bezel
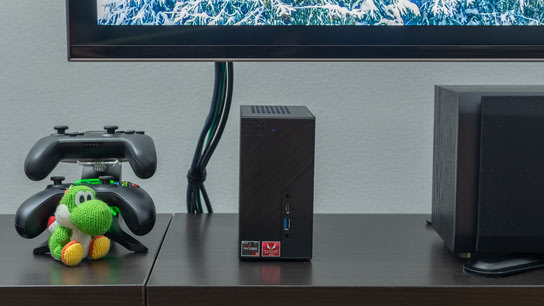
89,41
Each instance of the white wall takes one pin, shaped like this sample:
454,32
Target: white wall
374,120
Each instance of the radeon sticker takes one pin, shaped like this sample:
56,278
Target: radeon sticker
271,249
250,248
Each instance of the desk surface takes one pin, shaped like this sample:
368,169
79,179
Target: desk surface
378,259
119,278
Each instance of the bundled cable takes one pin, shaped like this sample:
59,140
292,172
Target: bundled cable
214,126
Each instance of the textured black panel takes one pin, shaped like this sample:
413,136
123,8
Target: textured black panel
511,206
455,166
446,119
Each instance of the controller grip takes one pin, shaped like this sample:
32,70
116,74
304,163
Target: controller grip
142,158
136,206
31,217
41,159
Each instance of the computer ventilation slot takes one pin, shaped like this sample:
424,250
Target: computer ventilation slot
269,109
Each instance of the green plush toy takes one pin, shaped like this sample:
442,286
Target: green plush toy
78,227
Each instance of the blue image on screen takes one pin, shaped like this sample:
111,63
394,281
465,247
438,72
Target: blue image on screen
321,12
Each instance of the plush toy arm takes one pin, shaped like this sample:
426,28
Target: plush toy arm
61,235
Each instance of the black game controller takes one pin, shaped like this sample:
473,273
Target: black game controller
135,205
94,146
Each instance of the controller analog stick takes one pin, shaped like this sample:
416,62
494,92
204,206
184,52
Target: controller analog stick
61,129
110,129
57,180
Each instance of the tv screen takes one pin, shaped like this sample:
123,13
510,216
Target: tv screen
305,29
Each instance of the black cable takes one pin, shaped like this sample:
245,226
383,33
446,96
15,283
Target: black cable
228,100
219,109
206,200
209,118
225,109
195,176
214,126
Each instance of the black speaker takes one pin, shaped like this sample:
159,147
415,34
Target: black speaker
488,168
277,146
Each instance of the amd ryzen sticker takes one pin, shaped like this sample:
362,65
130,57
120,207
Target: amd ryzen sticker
250,248
271,249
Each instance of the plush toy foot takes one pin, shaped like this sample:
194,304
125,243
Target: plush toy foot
72,253
99,247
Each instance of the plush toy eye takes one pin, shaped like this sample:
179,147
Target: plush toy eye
89,195
83,196
80,197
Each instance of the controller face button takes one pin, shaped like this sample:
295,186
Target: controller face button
140,132
130,132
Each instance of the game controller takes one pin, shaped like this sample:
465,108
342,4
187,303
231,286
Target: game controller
93,146
134,204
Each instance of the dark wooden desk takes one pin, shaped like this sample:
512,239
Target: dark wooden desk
118,279
358,259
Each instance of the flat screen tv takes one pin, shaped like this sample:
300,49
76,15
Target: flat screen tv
232,30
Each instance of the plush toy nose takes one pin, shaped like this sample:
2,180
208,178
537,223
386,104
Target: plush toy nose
92,217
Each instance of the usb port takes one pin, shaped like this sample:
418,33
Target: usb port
287,208
286,223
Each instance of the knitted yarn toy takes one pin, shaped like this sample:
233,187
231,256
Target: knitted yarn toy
78,227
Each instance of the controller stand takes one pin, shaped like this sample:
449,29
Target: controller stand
94,170
106,172
101,154
42,249
116,233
